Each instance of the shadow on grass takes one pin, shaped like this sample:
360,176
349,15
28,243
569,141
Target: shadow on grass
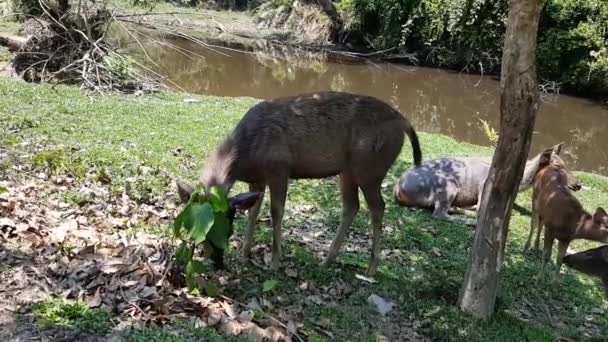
422,272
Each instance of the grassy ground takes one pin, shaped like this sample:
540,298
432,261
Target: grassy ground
159,135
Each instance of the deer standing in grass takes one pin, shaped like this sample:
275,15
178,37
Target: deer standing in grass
555,207
312,136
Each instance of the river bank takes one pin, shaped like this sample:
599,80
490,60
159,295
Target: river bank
108,163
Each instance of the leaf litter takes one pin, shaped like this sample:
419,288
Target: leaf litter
90,249
50,248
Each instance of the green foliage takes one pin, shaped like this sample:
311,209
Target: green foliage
76,315
469,34
203,220
269,285
572,45
55,161
5,55
188,334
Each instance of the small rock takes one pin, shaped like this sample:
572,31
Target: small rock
383,306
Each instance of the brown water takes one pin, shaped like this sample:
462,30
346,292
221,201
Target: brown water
435,100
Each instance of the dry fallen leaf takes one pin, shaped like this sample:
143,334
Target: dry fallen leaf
366,279
95,300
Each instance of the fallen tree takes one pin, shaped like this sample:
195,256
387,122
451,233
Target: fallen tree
68,44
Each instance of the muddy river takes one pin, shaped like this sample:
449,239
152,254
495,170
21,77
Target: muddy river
436,100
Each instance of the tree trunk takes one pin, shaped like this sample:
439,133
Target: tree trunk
518,108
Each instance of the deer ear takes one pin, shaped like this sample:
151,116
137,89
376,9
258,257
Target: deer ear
244,201
600,215
184,191
557,149
545,158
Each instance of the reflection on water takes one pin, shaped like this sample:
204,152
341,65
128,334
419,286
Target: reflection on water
435,100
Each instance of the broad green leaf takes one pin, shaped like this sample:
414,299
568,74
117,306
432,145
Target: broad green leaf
211,289
218,199
196,197
183,254
197,267
220,233
199,221
269,284
190,283
3,190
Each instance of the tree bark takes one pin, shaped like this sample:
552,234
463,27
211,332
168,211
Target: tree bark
518,107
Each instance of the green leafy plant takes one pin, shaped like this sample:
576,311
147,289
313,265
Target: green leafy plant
72,315
204,220
269,285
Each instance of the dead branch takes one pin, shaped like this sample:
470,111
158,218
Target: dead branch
13,43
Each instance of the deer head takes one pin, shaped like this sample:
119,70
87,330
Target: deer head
592,262
550,157
594,227
239,202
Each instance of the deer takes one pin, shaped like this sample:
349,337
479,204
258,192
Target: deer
562,215
593,262
455,185
315,135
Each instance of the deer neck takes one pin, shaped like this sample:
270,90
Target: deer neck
529,172
218,168
589,230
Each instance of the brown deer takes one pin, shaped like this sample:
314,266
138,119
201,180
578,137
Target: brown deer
312,136
593,262
563,216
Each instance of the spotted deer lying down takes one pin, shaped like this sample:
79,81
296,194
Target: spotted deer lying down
447,185
312,136
593,262
562,215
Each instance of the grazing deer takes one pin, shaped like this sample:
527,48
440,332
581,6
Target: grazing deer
448,184
312,136
593,262
556,208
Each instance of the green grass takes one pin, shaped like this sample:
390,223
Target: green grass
9,26
135,138
57,313
160,335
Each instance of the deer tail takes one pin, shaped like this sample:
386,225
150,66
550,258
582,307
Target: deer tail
411,133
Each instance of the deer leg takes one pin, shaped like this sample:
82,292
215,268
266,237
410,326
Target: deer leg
252,219
468,211
562,248
441,212
375,203
533,225
350,206
278,195
547,250
539,229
